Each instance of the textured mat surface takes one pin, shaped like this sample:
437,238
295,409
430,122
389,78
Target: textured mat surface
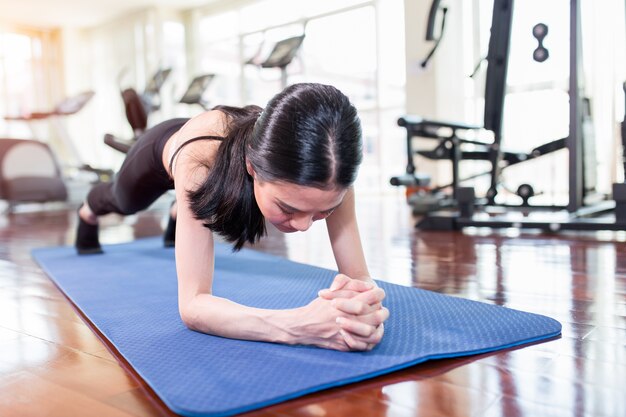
129,294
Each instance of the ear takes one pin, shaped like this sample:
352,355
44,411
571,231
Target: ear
250,169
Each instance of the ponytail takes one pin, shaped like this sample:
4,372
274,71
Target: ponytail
225,201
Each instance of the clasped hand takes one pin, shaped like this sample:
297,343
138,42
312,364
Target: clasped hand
356,307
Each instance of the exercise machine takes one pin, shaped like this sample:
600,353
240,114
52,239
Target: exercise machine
138,106
456,142
465,208
623,130
280,57
196,91
29,173
194,95
435,8
66,147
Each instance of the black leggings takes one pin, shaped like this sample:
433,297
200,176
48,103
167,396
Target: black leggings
141,179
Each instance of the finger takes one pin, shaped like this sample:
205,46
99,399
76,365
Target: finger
367,343
376,318
331,295
377,336
352,306
358,285
355,306
352,342
373,296
350,289
339,282
334,344
374,339
356,327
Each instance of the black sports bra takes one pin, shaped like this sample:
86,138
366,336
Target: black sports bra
187,143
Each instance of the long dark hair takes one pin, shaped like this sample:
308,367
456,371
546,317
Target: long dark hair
308,135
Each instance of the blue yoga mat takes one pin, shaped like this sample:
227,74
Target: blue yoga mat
130,295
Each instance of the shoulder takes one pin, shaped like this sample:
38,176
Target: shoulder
212,122
199,153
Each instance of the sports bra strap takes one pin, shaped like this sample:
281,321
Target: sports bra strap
187,143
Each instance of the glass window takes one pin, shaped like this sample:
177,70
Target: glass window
22,74
218,53
345,58
262,14
340,48
262,83
174,57
220,26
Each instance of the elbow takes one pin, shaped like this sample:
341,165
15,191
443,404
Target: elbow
195,312
187,315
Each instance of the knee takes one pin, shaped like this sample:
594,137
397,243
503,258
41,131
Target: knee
127,201
126,209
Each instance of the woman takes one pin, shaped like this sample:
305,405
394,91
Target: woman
233,169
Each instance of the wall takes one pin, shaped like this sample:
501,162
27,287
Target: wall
436,91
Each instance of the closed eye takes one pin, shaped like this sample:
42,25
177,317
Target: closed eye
289,212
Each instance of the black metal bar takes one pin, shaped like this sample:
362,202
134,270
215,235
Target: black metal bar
456,158
410,166
466,198
495,89
548,226
624,132
574,142
619,195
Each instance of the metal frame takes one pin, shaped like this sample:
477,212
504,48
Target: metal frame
576,215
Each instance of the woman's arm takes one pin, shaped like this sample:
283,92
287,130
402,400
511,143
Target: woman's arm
345,240
313,324
348,292
199,309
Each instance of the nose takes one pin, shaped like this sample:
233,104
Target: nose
302,223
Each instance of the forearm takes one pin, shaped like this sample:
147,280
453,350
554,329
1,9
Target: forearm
221,317
345,240
366,278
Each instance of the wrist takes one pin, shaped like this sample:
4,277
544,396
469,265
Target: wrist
367,279
283,325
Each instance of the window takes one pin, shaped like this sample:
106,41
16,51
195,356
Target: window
24,75
341,47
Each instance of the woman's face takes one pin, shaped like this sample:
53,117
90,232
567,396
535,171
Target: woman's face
293,208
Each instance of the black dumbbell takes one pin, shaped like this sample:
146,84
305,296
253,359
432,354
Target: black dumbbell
540,31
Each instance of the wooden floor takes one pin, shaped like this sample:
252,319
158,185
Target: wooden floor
53,364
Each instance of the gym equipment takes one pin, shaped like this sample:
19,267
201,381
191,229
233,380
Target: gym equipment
540,31
139,106
579,213
282,55
66,147
195,91
623,133
430,29
29,173
129,295
193,95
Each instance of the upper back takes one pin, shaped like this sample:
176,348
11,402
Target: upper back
184,152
